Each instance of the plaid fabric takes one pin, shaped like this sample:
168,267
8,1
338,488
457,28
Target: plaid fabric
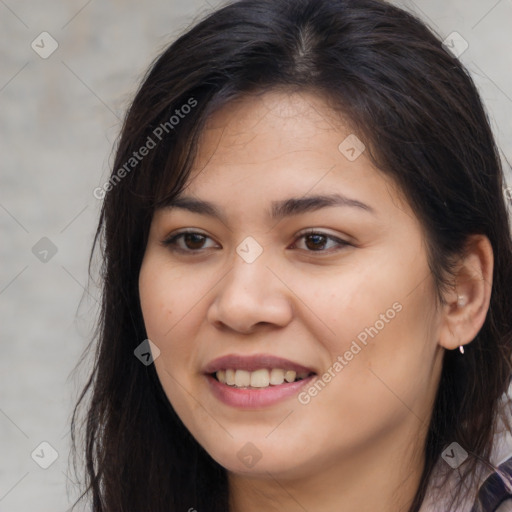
493,491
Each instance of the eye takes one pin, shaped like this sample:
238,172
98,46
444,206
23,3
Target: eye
194,241
316,241
187,241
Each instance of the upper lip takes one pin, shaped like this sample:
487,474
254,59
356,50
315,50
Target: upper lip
252,363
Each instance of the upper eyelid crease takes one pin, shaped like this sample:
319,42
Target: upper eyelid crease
279,209
171,240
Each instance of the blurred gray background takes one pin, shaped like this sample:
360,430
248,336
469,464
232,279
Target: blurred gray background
60,115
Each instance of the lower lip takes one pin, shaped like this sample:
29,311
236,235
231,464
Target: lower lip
255,398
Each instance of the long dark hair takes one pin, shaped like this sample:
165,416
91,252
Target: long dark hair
418,112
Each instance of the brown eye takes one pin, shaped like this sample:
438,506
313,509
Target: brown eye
320,242
193,240
315,241
188,241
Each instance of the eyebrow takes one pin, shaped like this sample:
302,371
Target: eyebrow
279,209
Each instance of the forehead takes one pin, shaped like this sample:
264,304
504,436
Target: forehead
282,141
277,123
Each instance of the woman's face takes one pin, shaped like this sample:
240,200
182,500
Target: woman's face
304,263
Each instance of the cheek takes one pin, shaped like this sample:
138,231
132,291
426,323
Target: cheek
164,297
345,303
171,311
387,365
173,307
374,315
166,303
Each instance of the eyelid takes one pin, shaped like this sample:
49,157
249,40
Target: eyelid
169,241
184,231
317,231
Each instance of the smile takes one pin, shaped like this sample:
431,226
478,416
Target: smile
261,378
256,381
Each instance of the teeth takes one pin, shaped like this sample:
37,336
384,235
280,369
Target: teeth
276,376
242,378
290,375
230,377
258,379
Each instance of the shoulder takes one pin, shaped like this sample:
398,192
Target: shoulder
495,494
494,490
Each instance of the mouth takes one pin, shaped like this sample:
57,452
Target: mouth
255,381
259,379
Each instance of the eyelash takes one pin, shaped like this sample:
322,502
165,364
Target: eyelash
170,242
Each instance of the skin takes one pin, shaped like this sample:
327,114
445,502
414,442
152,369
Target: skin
358,444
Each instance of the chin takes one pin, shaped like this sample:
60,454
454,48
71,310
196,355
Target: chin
259,459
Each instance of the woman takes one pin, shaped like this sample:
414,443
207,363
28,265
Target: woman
307,259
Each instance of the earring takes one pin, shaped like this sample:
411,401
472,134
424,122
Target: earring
461,301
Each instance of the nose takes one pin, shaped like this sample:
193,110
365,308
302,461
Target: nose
249,297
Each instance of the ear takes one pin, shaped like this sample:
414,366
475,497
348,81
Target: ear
467,303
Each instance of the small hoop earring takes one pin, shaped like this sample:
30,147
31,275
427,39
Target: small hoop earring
461,348
461,301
